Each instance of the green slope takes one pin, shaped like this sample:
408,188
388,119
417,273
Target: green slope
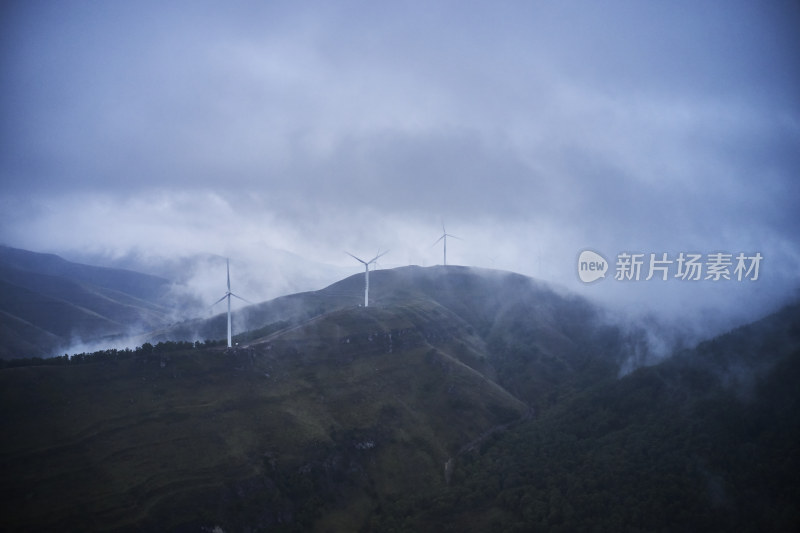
706,441
325,423
460,400
533,333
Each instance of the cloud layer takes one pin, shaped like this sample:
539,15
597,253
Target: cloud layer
532,129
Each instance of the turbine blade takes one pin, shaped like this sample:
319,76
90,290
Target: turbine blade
218,301
453,236
228,267
242,299
378,256
356,258
437,240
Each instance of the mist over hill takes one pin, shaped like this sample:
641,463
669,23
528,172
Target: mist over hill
48,304
507,312
460,399
708,440
270,273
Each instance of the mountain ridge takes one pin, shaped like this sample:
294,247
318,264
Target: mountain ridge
63,302
460,399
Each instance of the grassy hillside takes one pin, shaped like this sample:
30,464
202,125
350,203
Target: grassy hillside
709,440
321,425
534,333
460,400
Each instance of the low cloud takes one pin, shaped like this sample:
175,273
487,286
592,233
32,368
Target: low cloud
282,136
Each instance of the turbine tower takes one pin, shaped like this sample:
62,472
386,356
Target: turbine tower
443,238
228,295
366,273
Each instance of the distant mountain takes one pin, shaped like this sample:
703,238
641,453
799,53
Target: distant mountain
48,303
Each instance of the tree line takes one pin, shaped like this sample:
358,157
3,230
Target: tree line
111,354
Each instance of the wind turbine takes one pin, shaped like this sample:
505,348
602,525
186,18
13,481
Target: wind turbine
443,238
366,273
228,295
375,264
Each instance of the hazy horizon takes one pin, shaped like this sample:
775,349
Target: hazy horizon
532,130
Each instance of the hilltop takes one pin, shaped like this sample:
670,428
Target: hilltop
534,332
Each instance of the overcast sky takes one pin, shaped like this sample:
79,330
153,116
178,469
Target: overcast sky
534,130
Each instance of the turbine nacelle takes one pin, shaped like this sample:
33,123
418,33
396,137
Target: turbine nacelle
370,261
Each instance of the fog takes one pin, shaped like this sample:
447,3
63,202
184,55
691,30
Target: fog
281,135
